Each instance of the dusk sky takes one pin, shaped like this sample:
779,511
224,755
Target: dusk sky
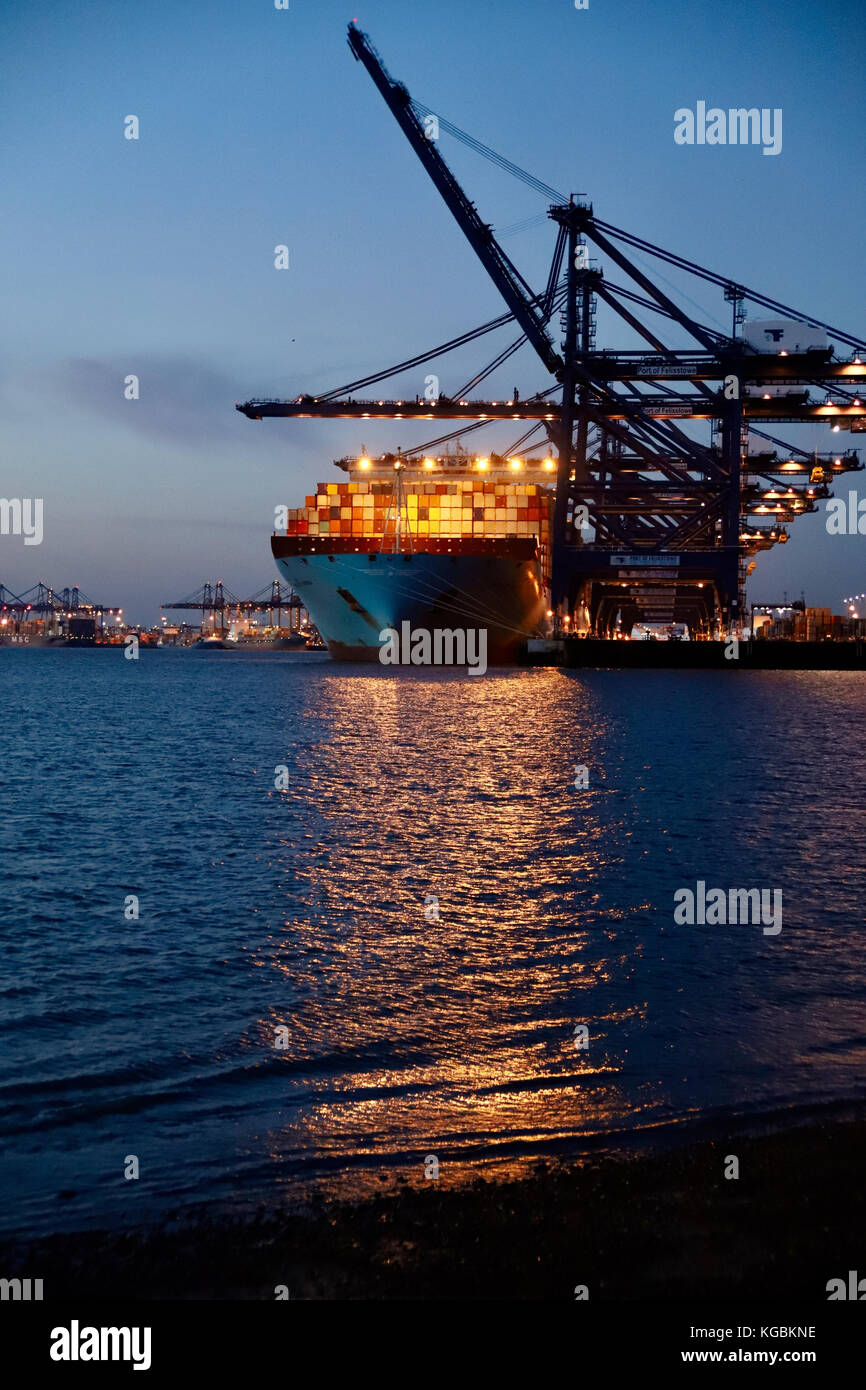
155,257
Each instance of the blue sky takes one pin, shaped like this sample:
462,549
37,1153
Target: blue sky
155,256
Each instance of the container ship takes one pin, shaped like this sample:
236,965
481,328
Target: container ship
443,544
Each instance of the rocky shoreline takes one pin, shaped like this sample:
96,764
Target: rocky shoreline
666,1225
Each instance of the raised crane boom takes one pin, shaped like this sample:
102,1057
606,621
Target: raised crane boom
506,277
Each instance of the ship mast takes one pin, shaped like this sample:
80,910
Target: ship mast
397,505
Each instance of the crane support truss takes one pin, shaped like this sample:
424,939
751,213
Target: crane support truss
650,523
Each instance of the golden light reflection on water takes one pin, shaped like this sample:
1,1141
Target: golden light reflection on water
456,1036
456,1033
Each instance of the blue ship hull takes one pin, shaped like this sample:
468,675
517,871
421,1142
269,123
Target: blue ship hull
354,596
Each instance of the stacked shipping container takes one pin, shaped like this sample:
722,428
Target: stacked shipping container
467,509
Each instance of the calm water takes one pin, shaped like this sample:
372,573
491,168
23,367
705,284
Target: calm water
304,909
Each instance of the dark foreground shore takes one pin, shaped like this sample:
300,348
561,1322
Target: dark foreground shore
655,1226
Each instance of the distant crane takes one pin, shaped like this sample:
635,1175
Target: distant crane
217,600
43,603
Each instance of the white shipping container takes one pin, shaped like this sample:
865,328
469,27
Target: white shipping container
783,335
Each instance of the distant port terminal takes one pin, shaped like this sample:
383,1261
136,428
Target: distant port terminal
43,616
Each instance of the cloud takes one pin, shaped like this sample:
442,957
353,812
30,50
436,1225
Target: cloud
179,399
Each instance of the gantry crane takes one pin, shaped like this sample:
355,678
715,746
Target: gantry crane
649,522
217,605
44,602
